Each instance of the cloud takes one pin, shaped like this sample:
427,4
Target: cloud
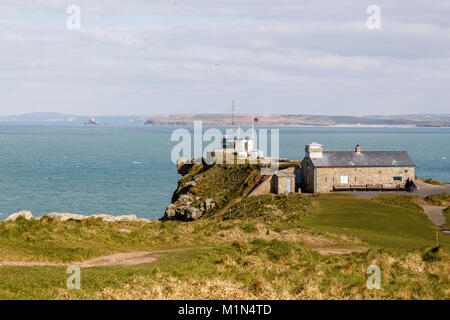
273,56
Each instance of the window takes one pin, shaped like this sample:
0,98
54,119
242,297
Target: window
344,179
398,178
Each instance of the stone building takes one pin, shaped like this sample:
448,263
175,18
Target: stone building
326,171
282,182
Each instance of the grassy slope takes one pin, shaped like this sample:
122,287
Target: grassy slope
440,199
446,213
260,251
402,225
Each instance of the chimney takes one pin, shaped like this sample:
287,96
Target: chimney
314,150
358,149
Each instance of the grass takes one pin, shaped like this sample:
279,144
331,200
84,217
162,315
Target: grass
434,182
403,201
401,225
223,183
256,270
446,213
262,251
438,199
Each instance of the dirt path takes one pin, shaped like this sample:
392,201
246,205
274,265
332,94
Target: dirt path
124,259
435,214
325,251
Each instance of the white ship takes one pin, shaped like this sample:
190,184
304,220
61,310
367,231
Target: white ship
92,122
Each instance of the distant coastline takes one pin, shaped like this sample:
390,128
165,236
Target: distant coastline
370,121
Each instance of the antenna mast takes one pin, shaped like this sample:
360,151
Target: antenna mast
232,116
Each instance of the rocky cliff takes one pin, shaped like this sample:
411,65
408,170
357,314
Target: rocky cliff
205,188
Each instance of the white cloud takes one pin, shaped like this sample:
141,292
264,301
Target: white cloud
143,56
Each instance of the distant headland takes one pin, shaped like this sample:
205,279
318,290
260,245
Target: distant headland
407,120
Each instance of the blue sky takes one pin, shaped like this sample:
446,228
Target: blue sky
158,57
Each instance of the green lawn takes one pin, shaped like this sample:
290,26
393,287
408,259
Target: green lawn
374,221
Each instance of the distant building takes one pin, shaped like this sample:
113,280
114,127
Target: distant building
243,148
281,182
326,171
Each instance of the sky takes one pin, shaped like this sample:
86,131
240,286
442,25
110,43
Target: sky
157,57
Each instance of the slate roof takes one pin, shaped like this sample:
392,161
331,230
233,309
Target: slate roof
364,159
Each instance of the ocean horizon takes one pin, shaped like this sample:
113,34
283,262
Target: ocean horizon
127,169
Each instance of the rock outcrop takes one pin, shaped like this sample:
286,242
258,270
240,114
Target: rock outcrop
186,206
26,214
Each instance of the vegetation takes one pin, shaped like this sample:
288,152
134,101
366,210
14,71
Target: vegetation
223,183
381,225
401,201
434,182
266,248
441,199
446,213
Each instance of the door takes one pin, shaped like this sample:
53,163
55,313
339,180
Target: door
288,185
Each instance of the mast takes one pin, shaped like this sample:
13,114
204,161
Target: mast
232,117
253,126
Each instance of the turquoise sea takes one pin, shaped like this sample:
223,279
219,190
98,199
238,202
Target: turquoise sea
127,169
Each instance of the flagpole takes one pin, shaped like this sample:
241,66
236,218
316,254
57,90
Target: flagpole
253,127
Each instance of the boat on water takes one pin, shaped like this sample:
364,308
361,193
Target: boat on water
92,121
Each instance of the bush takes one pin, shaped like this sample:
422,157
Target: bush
432,255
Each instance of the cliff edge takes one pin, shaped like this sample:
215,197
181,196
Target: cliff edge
204,188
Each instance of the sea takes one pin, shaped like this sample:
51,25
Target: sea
127,169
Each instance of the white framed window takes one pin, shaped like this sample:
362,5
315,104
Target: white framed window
344,179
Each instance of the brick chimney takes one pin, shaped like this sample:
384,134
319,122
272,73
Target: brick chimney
358,149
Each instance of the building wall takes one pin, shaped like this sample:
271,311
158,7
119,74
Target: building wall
264,188
276,183
307,171
280,182
326,178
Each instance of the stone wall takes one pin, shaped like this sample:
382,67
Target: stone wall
263,188
326,178
280,183
276,183
307,176
282,178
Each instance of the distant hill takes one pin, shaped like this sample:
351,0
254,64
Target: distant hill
322,120
55,117
414,120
